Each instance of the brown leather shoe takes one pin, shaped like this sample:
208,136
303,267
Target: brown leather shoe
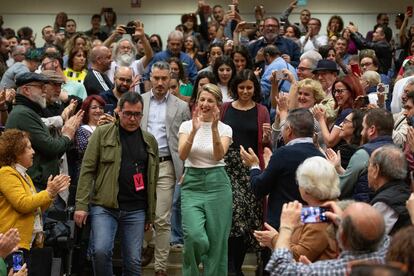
160,273
147,255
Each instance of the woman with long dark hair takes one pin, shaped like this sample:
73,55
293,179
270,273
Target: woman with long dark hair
247,117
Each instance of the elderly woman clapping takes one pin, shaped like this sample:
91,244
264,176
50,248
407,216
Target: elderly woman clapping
318,183
21,206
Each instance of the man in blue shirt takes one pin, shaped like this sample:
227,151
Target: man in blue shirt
271,36
174,46
274,63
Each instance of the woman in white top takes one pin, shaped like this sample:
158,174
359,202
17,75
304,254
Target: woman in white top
206,197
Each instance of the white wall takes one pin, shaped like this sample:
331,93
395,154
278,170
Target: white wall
161,16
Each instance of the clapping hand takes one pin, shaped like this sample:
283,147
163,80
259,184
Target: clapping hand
266,237
57,184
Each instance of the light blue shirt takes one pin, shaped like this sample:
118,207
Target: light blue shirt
278,64
157,115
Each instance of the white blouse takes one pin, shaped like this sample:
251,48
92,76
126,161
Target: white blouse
201,154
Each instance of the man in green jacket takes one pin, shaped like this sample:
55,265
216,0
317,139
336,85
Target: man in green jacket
26,115
117,187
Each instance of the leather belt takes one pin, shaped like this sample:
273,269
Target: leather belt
165,158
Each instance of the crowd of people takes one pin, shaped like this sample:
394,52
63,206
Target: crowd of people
216,145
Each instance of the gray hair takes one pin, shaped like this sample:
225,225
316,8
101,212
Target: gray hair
176,35
19,49
301,122
391,162
124,38
410,81
318,177
372,77
409,71
313,62
312,54
161,65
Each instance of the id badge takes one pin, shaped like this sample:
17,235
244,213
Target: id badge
139,182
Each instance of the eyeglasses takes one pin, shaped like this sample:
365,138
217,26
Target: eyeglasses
36,85
346,121
271,26
339,91
46,63
130,114
125,80
366,64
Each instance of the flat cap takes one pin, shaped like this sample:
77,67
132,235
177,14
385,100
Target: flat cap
53,76
29,77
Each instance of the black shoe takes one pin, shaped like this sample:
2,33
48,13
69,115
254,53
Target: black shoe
147,255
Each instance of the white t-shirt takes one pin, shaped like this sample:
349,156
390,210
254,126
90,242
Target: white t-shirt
201,154
225,93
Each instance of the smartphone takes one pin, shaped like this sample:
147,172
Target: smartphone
279,75
250,25
410,11
129,30
383,88
356,70
302,2
61,30
18,260
311,214
109,109
232,8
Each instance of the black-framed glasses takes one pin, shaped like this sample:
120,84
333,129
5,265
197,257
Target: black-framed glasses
339,91
130,114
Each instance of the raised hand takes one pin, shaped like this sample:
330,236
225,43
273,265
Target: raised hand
196,118
216,118
57,184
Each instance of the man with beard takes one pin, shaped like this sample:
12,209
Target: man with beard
312,40
174,45
124,54
360,234
96,81
271,36
305,16
26,116
162,116
377,130
122,81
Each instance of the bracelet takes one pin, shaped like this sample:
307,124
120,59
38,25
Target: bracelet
274,240
285,227
188,142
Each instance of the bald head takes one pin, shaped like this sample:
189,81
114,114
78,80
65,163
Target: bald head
123,79
362,227
100,58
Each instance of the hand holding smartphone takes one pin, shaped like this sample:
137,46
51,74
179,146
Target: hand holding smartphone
18,260
311,214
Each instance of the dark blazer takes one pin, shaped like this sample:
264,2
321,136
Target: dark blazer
278,180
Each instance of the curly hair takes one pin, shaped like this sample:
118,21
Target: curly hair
71,43
12,144
316,88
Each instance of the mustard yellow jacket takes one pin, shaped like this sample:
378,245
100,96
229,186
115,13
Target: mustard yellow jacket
18,205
